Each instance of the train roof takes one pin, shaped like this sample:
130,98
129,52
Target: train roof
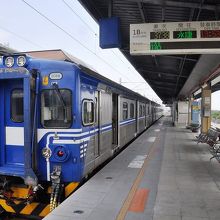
61,55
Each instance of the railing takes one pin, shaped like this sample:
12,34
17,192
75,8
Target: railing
211,138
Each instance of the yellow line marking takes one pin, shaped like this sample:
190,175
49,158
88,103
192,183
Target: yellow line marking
126,205
20,192
28,209
70,188
45,211
6,207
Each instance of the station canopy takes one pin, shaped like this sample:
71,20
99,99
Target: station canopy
171,76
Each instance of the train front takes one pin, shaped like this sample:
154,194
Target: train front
37,168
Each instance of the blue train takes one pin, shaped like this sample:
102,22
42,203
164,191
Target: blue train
59,121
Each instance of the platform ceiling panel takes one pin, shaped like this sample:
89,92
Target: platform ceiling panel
166,74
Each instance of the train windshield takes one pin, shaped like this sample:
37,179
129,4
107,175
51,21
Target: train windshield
56,108
17,109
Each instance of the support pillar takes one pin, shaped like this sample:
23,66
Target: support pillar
206,109
174,112
195,112
182,113
190,111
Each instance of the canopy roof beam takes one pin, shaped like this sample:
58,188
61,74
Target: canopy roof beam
179,4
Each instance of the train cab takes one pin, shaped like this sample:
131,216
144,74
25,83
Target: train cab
39,103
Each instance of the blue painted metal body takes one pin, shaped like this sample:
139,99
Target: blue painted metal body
26,161
110,35
16,160
72,167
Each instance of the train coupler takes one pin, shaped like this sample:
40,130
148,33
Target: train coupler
32,193
56,188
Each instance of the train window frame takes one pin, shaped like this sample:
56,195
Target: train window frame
71,110
12,106
147,109
96,111
144,110
132,110
140,110
125,110
82,109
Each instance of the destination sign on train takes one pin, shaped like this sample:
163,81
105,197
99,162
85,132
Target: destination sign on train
200,37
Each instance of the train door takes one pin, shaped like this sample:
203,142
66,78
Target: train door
12,126
145,115
16,130
15,127
137,115
114,120
97,123
150,113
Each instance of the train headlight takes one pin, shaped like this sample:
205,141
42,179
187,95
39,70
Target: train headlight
21,61
46,152
9,61
61,153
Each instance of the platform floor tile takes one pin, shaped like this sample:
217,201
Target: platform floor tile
179,181
189,184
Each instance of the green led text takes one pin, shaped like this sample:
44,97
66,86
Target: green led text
155,46
185,34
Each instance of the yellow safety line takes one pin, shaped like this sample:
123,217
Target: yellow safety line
70,188
6,207
20,192
45,211
29,208
126,205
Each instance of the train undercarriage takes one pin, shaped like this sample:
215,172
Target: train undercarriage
18,199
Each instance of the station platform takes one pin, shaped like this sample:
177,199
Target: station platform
162,175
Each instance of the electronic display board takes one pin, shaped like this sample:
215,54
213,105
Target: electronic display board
199,37
210,33
160,35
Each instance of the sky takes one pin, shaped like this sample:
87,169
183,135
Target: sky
70,28
215,100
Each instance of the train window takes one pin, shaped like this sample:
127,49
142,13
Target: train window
131,110
140,111
144,110
56,108
125,110
96,111
88,112
17,109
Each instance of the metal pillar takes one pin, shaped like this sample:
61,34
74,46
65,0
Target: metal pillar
189,111
195,113
174,112
182,113
110,8
206,109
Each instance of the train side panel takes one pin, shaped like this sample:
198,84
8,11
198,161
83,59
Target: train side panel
104,136
141,116
127,121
